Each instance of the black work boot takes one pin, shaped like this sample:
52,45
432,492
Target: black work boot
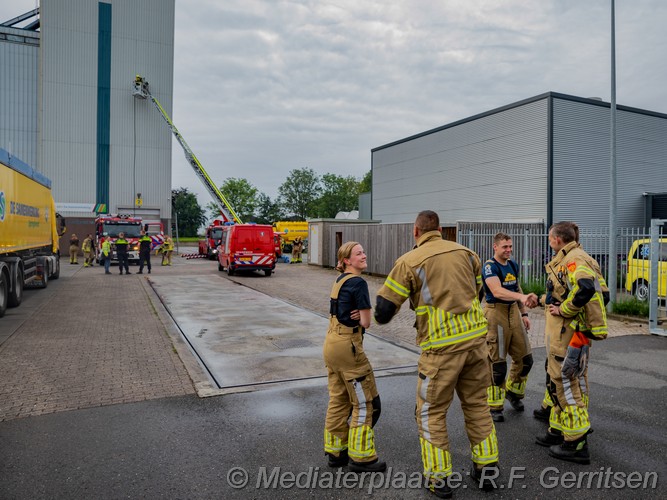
485,477
572,451
497,415
542,414
514,400
551,438
338,461
440,488
374,466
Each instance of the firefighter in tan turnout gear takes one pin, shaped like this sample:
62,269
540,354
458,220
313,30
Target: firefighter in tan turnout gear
575,315
505,311
354,402
443,282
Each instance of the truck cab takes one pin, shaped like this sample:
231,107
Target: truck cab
247,247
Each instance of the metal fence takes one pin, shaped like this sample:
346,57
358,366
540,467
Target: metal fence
531,249
384,243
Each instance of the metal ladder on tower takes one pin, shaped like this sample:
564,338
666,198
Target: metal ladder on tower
140,91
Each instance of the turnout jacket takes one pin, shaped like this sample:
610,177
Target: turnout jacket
579,288
443,281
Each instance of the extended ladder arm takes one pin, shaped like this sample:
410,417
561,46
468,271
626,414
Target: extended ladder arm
141,92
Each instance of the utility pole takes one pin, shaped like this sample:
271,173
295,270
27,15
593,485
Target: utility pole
613,254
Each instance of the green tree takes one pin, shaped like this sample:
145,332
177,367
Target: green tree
267,211
299,193
190,215
241,195
366,184
338,193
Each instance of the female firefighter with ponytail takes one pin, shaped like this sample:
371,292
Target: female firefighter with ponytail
353,394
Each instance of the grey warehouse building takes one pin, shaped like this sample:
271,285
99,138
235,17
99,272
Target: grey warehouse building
543,159
67,109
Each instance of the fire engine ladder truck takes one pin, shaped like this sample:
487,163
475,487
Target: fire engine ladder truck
141,92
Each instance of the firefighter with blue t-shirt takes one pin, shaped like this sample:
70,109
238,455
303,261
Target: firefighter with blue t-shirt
505,311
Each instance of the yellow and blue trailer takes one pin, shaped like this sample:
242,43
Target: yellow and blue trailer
29,230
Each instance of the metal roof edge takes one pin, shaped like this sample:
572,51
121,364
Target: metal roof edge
523,102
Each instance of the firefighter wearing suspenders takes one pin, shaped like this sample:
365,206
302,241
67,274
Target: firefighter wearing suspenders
505,311
575,314
354,402
443,281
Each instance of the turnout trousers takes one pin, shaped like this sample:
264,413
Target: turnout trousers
440,375
354,402
507,336
569,413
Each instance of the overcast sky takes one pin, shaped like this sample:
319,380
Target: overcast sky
262,87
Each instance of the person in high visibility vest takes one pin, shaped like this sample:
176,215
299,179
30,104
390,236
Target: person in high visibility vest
88,251
144,252
575,310
167,249
121,252
354,402
443,281
74,249
106,255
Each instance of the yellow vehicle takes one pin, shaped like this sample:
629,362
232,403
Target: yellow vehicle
29,230
638,279
289,231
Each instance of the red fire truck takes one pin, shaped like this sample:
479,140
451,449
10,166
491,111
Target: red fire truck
110,226
209,245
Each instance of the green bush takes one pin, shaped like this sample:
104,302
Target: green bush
631,307
533,286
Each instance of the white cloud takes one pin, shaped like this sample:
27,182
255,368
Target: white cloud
262,87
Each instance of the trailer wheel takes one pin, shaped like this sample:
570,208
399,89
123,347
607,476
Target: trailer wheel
15,296
3,293
45,276
56,273
267,272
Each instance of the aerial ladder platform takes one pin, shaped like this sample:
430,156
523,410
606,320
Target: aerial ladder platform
141,91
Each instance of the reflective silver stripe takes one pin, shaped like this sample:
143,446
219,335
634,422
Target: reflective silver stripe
423,412
567,389
501,343
425,292
361,399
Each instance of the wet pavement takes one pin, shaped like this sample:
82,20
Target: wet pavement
247,338
97,400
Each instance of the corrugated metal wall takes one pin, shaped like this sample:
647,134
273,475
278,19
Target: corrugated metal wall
581,145
19,76
142,41
489,167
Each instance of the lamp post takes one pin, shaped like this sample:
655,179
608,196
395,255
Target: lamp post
613,254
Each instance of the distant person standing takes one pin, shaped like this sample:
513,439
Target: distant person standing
144,252
121,253
167,249
297,248
74,249
106,255
88,251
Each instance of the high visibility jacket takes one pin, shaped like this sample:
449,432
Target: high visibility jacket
572,271
145,244
87,245
121,245
106,247
168,245
442,279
